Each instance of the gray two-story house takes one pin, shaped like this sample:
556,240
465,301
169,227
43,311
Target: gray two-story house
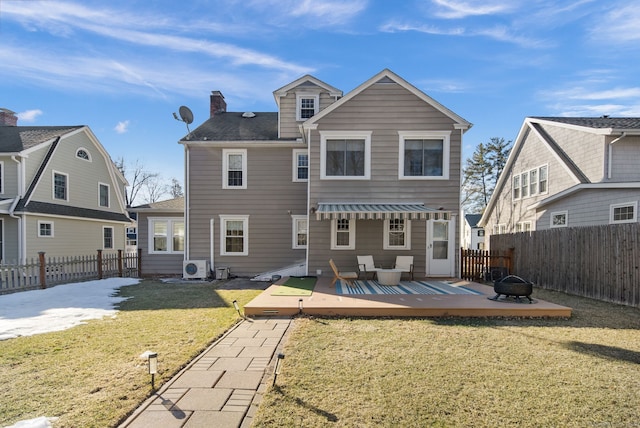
568,172
60,193
327,176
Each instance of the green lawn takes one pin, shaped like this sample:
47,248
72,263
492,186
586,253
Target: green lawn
91,375
581,372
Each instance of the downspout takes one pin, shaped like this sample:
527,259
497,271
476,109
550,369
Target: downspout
21,234
624,134
186,202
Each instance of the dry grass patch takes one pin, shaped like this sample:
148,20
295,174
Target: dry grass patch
91,375
580,372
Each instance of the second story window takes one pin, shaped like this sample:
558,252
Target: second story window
60,190
234,169
300,165
103,195
424,155
345,155
83,154
307,106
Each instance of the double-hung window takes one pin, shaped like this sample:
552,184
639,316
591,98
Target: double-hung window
107,238
530,183
60,186
300,231
624,213
300,165
424,155
166,235
234,167
345,155
397,234
343,234
307,106
103,195
234,235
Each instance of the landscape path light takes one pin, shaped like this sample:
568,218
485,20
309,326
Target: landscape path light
153,367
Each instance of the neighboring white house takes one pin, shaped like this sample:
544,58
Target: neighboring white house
472,235
568,172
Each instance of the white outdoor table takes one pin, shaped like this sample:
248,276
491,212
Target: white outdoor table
389,276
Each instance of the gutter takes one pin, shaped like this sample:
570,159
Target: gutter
609,167
21,237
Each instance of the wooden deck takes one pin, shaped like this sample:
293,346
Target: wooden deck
324,301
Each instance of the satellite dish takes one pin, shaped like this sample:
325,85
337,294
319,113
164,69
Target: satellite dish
186,115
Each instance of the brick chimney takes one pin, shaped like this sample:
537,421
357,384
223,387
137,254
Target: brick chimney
218,104
8,118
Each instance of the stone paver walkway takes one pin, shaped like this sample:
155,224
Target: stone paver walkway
223,386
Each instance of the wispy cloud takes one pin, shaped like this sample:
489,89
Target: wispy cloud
122,127
29,115
316,13
453,9
619,25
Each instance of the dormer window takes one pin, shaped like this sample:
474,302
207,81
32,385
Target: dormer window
83,154
307,106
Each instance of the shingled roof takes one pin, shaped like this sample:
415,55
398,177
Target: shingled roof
14,139
237,126
619,123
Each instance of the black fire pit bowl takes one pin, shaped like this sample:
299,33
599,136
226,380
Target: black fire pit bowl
512,285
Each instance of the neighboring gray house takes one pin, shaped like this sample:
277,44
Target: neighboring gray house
160,236
327,176
472,235
567,172
59,192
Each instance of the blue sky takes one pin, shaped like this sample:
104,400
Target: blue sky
123,67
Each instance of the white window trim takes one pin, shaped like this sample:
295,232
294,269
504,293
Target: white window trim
407,236
223,234
349,135
527,174
225,168
108,195
296,153
1,176
499,229
52,229
425,135
316,105
113,238
295,222
84,150
170,221
521,226
53,185
559,213
633,204
352,236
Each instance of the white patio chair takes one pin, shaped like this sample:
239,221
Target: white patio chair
366,265
405,264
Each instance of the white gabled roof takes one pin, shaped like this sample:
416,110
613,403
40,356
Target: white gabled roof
460,122
278,93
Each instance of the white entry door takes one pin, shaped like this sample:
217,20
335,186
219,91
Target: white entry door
440,257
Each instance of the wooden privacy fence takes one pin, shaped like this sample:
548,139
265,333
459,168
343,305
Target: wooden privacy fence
484,264
43,271
600,262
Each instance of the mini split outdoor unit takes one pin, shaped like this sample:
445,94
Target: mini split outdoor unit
195,269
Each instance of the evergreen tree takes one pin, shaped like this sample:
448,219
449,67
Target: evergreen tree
481,172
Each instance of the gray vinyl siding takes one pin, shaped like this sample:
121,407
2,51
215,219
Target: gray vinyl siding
270,199
83,176
72,237
588,207
10,239
384,109
533,153
626,158
157,264
289,126
32,164
586,150
9,177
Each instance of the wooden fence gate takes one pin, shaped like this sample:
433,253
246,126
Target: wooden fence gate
484,265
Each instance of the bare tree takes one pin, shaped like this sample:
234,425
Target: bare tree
137,177
155,189
175,189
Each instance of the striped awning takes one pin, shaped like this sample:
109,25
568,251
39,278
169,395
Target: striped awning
409,211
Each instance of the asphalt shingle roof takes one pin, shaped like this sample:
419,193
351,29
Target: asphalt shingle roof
232,126
14,139
169,204
69,211
597,122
